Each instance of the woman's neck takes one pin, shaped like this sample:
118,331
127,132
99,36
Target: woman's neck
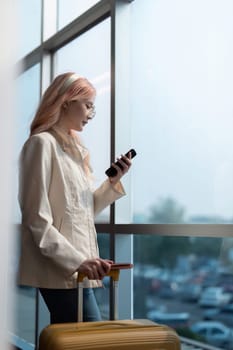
63,128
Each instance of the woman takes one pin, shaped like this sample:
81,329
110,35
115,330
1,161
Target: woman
58,204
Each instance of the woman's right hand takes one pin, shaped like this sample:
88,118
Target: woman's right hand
95,269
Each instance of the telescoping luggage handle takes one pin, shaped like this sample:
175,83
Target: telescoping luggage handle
114,273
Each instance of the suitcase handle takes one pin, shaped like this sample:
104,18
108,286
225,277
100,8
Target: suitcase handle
114,273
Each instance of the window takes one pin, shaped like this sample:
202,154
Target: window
28,94
217,331
102,294
29,39
172,102
175,272
68,10
28,91
90,57
203,332
181,111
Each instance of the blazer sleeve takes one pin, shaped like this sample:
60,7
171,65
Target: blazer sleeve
106,194
34,182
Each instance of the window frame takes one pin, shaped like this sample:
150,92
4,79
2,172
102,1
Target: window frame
121,235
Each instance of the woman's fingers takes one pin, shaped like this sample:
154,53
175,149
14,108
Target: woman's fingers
125,164
95,268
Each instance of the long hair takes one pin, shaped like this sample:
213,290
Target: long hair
64,87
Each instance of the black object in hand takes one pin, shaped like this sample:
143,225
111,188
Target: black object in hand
111,172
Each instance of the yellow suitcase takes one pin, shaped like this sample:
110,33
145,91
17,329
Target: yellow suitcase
108,335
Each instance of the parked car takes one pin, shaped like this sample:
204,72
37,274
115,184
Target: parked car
215,333
223,314
168,290
190,292
214,297
174,320
227,287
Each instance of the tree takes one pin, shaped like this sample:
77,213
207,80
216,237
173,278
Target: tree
162,250
166,211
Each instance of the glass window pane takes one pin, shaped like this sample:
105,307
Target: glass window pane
102,294
181,107
24,311
104,245
28,95
29,26
68,10
181,281
90,57
28,92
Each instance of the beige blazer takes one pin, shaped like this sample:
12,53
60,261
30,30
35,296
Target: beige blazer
58,208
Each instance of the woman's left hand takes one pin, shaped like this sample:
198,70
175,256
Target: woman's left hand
125,163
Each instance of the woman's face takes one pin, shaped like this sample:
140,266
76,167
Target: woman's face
77,113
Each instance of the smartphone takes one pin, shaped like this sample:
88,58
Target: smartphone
121,266
111,172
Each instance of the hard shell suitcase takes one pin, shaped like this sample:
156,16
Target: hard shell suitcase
108,335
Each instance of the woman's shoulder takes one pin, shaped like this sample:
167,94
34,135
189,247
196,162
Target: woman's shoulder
41,138
41,141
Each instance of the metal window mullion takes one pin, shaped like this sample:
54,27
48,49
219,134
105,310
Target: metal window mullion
175,230
45,71
119,42
112,128
112,155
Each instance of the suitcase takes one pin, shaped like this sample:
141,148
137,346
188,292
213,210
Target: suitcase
108,335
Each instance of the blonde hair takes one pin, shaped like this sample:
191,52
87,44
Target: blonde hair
64,87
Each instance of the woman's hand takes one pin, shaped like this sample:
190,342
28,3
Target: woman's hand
125,163
95,269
